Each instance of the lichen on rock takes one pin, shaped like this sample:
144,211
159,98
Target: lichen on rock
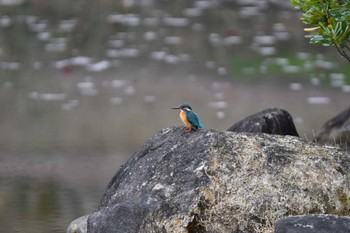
269,177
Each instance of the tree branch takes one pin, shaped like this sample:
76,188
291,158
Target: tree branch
343,53
347,47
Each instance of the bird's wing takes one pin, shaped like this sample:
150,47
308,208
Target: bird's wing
194,120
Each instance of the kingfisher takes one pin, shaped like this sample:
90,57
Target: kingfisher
188,117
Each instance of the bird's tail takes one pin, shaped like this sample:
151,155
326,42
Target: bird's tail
200,126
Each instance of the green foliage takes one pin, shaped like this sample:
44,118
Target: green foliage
330,21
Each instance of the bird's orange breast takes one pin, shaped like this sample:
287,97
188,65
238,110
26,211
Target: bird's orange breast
184,119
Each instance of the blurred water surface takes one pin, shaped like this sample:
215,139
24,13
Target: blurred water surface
84,83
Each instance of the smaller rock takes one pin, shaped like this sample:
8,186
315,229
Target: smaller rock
314,223
79,225
336,130
271,121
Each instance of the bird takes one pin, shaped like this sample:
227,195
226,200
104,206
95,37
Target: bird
189,117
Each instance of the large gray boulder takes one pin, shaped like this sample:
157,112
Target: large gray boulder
219,181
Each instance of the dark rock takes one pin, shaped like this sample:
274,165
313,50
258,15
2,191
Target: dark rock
271,121
336,130
219,181
159,182
314,223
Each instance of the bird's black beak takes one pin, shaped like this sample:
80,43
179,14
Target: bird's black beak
175,107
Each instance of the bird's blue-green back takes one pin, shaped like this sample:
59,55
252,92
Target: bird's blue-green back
193,119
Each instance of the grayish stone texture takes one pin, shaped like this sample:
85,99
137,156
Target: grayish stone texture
336,130
314,223
78,225
219,181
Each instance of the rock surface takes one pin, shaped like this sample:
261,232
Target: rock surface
79,225
218,181
271,121
336,130
314,223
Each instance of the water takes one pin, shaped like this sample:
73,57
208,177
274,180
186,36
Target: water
83,84
43,193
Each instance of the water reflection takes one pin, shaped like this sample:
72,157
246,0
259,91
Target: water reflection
83,83
39,194
29,205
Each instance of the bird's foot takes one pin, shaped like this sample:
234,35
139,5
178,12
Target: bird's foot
188,129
